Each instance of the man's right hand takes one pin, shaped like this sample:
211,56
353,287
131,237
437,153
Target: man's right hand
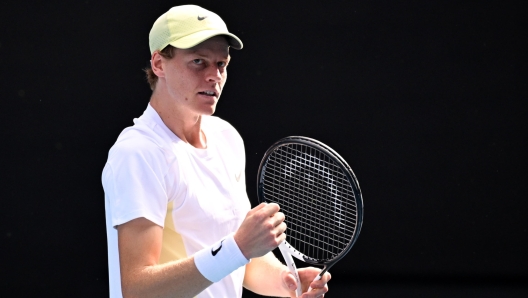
261,231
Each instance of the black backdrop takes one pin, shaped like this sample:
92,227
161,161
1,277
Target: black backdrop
424,99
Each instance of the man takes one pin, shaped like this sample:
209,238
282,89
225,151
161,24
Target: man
179,222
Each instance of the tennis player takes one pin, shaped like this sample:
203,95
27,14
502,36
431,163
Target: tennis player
179,222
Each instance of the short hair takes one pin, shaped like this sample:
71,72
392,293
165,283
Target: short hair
168,53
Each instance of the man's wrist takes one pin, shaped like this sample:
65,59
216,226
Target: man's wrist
219,260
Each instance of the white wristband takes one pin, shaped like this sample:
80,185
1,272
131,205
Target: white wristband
219,260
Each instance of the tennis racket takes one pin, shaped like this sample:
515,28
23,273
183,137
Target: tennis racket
320,197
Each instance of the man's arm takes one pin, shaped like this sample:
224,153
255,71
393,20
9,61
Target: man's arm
268,276
139,242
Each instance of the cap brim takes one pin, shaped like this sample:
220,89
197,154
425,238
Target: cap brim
191,40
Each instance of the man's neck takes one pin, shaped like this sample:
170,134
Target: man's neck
184,125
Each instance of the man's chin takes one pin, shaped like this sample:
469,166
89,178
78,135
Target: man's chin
209,112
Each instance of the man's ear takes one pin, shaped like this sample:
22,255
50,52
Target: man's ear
156,64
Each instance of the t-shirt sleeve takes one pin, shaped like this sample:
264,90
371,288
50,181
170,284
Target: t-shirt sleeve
134,184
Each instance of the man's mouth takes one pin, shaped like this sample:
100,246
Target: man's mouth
208,93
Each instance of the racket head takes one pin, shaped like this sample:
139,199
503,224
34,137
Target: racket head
319,194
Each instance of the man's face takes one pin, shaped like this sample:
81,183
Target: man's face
195,77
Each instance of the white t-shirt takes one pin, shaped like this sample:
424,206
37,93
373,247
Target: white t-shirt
197,195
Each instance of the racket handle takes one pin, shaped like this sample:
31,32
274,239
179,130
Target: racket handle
318,277
291,265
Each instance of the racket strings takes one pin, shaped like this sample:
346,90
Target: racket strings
342,230
316,196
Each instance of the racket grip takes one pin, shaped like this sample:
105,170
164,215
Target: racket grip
291,265
318,277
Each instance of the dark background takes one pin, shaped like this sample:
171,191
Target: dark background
426,100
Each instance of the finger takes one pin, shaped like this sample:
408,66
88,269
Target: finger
278,218
270,209
280,236
260,206
320,282
280,229
325,278
317,292
274,205
328,276
289,282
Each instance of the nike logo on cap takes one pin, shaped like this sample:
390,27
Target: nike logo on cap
201,18
215,251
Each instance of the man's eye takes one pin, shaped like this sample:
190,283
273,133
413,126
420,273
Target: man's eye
222,64
198,61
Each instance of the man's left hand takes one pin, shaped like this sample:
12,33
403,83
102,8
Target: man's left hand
307,275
